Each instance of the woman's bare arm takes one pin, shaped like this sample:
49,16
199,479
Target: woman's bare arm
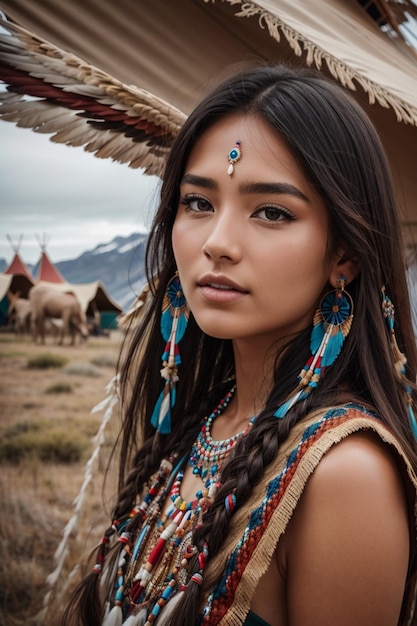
347,546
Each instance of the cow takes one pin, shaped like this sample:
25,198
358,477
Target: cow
49,303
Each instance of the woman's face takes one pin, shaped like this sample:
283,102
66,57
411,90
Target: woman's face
251,247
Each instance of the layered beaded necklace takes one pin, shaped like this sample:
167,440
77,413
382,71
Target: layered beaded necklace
153,564
207,454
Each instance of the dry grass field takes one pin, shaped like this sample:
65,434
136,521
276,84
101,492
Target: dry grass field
46,437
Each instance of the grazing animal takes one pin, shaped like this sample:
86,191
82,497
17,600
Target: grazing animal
47,303
21,309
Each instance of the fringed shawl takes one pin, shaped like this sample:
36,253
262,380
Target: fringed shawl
256,529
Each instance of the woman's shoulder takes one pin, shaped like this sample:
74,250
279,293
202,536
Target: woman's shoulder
361,465
353,516
348,439
343,453
328,426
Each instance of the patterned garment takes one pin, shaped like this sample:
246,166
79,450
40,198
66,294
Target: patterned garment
257,527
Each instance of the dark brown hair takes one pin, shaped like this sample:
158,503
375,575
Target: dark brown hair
340,153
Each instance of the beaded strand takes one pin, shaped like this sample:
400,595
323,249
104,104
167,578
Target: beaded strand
207,454
154,561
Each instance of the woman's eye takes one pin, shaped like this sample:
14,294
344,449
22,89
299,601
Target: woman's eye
196,203
273,214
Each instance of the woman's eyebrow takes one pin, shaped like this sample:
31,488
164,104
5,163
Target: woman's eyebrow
273,188
199,181
248,188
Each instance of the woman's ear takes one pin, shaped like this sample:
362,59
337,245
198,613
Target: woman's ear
343,263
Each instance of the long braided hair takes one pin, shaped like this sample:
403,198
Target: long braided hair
338,150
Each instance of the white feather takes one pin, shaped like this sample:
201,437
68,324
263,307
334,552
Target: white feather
114,618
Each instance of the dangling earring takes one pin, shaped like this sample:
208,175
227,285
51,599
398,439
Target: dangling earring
174,320
399,357
332,323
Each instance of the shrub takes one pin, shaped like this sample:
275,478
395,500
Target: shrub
22,427
44,361
105,360
83,369
47,445
59,388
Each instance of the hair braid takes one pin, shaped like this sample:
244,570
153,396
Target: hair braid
245,467
86,594
145,463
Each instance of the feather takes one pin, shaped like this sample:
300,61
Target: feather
114,618
167,323
161,416
174,316
333,346
81,103
166,615
331,325
173,323
316,337
283,409
137,620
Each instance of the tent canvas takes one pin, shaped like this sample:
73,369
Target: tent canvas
16,283
176,50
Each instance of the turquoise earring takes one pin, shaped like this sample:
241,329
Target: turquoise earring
174,320
331,326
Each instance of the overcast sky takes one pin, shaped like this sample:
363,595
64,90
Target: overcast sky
65,196
68,198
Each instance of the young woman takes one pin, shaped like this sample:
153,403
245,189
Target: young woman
267,462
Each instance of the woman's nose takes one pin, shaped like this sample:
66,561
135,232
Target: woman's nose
224,239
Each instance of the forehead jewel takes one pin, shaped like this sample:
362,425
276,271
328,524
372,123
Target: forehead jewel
233,156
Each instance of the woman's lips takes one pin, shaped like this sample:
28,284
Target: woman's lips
219,286
220,291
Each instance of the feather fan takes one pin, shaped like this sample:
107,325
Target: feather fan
81,105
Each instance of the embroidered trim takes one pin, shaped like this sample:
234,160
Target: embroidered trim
315,55
223,594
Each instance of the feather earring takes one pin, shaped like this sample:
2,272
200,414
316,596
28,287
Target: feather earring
174,320
114,618
400,360
137,620
331,326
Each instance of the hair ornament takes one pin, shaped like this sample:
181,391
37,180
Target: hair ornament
400,360
198,576
331,325
233,156
174,320
230,502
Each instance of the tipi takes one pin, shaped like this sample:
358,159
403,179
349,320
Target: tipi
17,266
46,270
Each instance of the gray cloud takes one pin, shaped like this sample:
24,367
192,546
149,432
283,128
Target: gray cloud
66,195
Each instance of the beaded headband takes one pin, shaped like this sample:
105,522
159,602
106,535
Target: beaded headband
233,156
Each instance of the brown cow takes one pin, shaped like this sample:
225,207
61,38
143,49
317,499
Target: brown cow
47,302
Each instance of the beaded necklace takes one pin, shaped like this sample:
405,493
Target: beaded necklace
207,454
153,562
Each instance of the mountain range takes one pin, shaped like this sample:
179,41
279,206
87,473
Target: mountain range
118,265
